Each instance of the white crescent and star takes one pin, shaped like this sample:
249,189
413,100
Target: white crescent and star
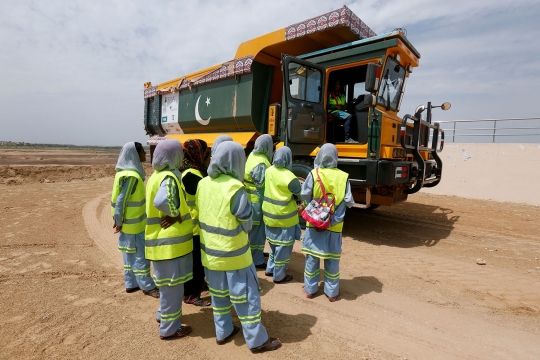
197,116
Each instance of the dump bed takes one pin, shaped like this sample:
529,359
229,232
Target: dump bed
233,97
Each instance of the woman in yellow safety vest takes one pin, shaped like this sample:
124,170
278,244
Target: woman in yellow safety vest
257,163
280,214
169,236
224,220
193,171
129,214
325,243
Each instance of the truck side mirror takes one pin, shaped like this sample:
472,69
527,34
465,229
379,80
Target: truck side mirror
370,100
373,75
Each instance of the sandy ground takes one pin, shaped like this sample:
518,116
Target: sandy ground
411,288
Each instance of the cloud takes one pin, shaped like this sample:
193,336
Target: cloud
72,72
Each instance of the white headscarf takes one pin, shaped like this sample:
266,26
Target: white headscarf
264,145
228,159
283,158
327,157
129,160
168,155
219,140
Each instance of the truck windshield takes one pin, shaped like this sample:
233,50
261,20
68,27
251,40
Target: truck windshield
391,85
305,83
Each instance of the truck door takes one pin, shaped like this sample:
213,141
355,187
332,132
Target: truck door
304,104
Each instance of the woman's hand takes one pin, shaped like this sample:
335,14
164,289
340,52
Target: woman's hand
167,220
116,228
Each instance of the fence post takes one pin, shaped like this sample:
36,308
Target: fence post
454,134
494,129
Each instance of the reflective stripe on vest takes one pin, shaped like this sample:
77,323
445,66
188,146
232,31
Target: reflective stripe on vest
190,200
177,239
224,243
336,100
279,207
252,162
134,211
335,182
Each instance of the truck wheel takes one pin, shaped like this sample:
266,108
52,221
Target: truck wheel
301,169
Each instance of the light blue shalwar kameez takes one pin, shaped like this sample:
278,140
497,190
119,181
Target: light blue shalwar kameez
282,239
170,275
325,244
238,288
136,267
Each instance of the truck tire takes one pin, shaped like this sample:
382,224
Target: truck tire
302,168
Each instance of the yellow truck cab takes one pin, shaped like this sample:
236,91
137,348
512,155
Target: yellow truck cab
278,84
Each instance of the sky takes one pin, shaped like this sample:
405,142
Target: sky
72,72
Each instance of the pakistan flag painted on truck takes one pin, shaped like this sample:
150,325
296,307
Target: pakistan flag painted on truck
218,107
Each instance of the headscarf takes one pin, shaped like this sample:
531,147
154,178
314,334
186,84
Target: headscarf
168,155
228,159
129,160
264,145
283,158
219,140
194,155
327,157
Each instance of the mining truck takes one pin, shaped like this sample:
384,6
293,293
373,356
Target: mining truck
277,84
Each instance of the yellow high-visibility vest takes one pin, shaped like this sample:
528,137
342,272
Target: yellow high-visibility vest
335,182
190,200
251,163
177,239
279,206
224,243
135,210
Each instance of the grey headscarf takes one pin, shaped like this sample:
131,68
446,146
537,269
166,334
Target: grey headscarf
219,140
228,159
168,155
129,160
327,157
264,145
283,158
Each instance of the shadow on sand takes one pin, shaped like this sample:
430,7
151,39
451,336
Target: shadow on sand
404,225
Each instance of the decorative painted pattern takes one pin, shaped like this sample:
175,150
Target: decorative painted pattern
339,17
227,70
155,139
150,92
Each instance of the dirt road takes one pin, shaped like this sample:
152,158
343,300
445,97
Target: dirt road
410,284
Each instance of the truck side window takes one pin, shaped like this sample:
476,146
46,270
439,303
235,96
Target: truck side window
305,83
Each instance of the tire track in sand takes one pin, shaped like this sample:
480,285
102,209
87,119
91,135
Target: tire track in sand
98,223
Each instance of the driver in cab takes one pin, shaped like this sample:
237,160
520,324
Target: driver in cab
336,107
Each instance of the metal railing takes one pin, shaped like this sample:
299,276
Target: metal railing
511,127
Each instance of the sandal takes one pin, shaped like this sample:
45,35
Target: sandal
306,294
202,302
235,331
269,345
153,293
287,278
334,298
180,333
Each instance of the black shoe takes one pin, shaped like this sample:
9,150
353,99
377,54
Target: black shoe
266,254
261,266
130,290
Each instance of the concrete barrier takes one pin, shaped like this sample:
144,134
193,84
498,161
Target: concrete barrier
499,172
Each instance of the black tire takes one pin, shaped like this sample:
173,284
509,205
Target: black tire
302,168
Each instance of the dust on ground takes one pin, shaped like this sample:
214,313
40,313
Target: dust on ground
411,287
